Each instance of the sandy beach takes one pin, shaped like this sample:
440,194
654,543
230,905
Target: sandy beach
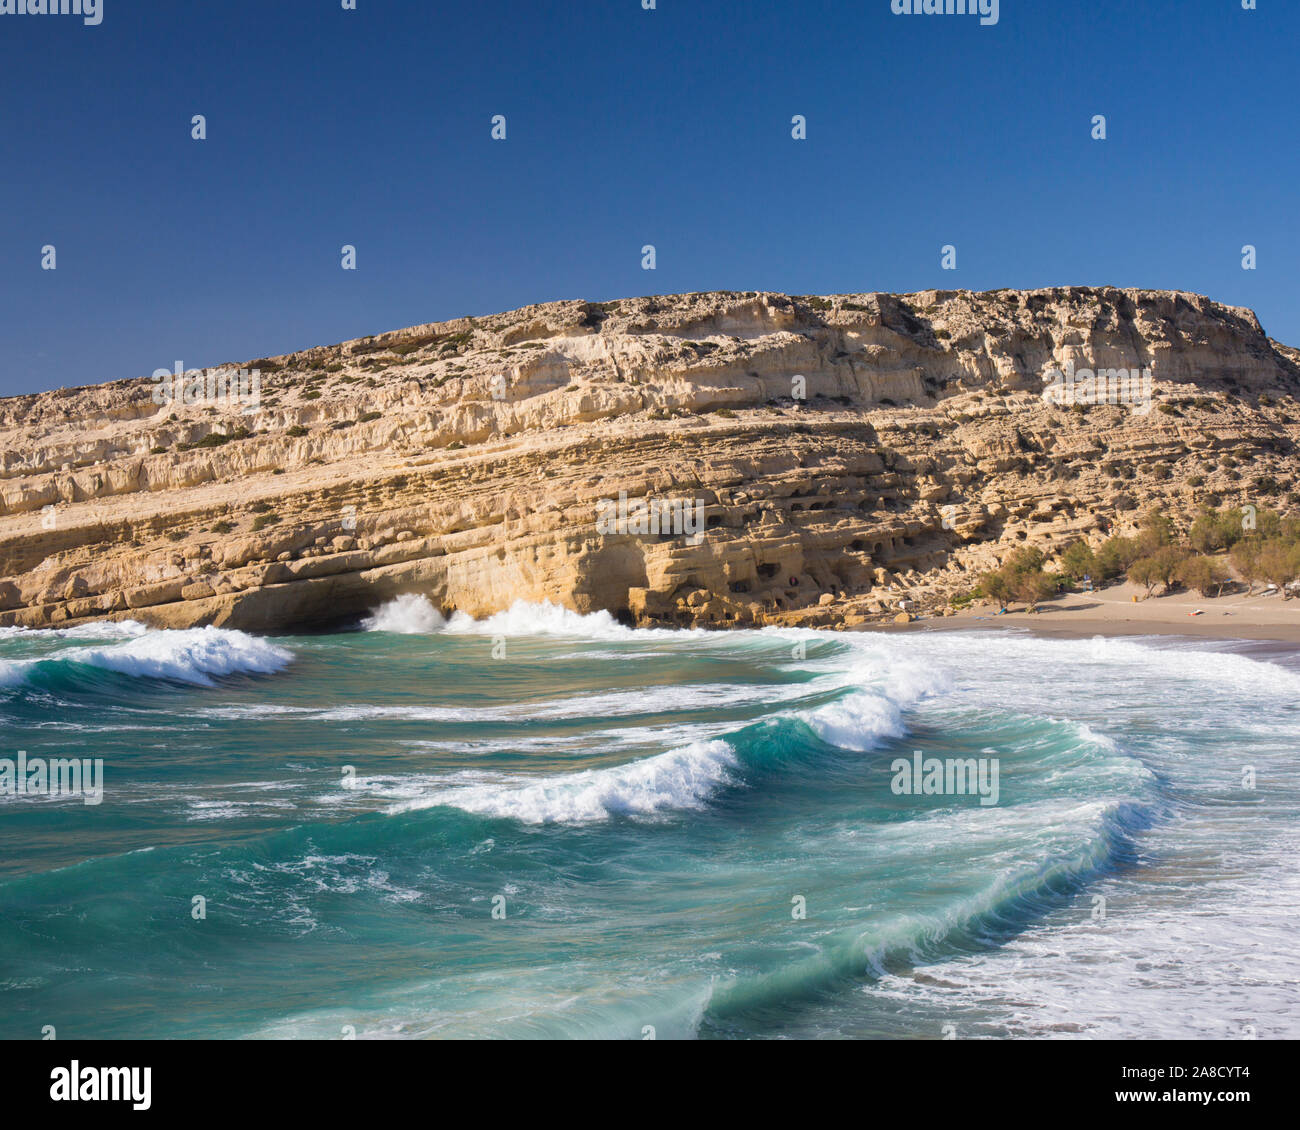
1113,612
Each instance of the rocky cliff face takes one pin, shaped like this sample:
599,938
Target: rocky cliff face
846,453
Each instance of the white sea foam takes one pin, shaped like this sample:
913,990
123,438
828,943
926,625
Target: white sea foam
879,691
190,656
659,737
859,721
237,809
258,710
605,704
680,779
1068,669
98,630
412,614
544,619
1156,967
409,615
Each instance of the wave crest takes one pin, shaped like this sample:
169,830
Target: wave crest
193,655
408,615
680,779
413,614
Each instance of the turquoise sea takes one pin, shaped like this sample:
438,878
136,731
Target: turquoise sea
549,825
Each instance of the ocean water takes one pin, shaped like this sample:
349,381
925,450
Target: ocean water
547,825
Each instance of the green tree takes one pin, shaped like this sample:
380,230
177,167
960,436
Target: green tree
1168,563
1155,532
1268,523
1203,574
1144,572
1207,533
1115,556
994,586
1025,560
1032,586
1245,559
1231,526
1079,561
1279,562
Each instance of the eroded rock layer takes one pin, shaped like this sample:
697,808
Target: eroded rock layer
848,453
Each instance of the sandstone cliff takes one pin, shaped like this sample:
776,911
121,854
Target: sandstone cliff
850,452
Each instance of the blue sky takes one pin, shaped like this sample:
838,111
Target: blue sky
624,127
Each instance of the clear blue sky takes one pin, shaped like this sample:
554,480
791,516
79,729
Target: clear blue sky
624,127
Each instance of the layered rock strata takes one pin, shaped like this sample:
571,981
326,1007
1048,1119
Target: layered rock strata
847,454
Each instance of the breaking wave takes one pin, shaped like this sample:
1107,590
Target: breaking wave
194,656
679,779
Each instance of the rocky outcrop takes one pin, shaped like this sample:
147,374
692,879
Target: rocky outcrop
845,457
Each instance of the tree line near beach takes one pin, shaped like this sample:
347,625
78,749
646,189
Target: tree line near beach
1219,549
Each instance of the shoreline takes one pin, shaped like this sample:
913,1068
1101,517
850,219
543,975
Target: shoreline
1111,612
